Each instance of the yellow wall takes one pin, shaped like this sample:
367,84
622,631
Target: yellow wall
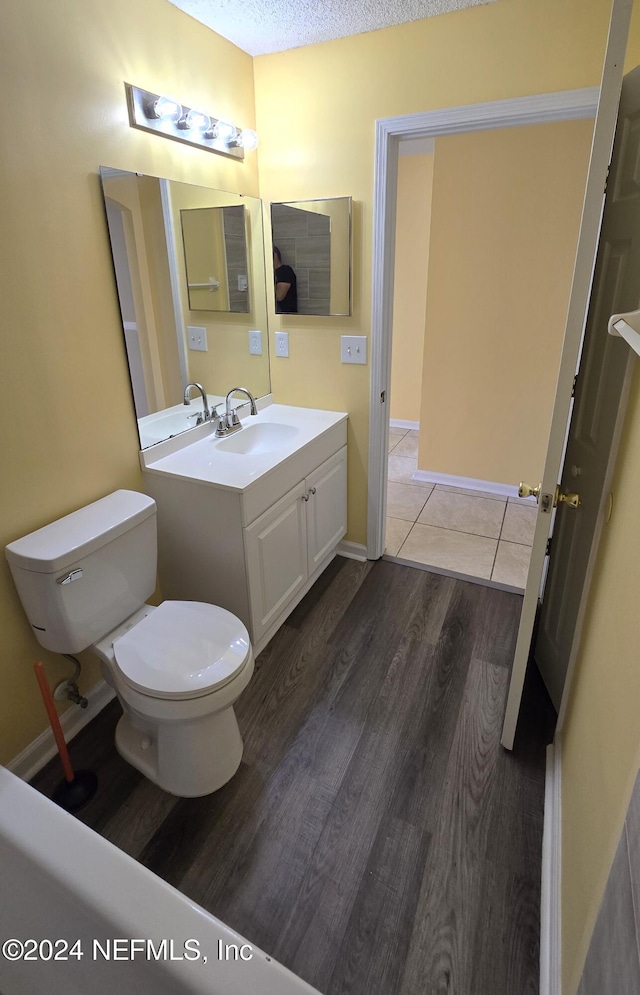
335,91
506,208
65,404
601,735
413,223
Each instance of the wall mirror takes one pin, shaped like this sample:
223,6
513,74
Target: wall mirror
171,337
314,240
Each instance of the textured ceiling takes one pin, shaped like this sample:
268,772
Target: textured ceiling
262,26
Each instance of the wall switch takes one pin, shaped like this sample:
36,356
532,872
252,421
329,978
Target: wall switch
282,343
255,343
353,348
243,283
197,338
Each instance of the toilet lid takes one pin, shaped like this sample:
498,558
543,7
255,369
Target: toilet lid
183,649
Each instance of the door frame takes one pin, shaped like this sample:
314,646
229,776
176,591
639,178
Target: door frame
565,105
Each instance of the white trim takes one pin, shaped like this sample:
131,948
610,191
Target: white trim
412,426
39,752
550,898
562,106
352,550
468,483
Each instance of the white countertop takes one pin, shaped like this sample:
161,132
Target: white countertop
207,462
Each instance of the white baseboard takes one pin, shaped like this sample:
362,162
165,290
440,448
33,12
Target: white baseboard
550,898
352,550
468,483
33,758
403,423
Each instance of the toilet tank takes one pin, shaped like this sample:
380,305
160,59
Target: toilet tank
79,577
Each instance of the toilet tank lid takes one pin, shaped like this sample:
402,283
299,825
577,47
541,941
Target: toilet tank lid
62,543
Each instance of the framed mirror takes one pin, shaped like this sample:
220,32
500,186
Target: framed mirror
172,338
312,244
215,258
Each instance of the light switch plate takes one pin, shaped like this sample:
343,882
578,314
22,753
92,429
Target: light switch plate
255,343
282,343
353,348
197,338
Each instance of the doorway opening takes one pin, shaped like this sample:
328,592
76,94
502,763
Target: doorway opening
486,233
455,123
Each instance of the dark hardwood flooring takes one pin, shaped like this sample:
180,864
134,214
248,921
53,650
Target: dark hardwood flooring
377,838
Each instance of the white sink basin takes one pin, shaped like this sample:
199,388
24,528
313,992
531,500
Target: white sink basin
281,442
265,437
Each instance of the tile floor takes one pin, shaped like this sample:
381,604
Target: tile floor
469,532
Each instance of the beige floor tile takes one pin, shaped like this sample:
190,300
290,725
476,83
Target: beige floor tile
525,502
519,524
463,513
401,468
405,501
471,493
458,551
396,532
512,564
396,435
413,433
407,447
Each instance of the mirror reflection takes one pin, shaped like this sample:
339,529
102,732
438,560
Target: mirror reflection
215,256
312,256
171,338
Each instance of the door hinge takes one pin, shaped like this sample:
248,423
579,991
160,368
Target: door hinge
547,551
573,388
383,396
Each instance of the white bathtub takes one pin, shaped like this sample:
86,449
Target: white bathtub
87,919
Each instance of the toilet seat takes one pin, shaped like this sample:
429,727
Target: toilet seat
182,649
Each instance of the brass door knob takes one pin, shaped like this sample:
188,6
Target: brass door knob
571,499
526,490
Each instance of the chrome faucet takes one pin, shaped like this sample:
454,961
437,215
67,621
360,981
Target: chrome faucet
187,399
229,420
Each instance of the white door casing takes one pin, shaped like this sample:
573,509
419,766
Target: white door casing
567,105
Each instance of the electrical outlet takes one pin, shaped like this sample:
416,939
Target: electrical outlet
282,343
255,343
197,338
353,348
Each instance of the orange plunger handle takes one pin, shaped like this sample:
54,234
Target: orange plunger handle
56,728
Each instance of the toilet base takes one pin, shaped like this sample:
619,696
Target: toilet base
186,759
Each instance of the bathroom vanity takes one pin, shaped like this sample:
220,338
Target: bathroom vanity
249,521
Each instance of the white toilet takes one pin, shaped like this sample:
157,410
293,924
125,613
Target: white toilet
177,669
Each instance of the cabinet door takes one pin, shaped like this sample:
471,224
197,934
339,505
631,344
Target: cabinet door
276,558
326,508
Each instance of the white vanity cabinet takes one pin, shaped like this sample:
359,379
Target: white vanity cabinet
253,546
291,542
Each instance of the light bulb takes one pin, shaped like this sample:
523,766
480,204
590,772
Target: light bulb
166,109
248,139
224,131
197,121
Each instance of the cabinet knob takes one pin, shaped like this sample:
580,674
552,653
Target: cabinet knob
304,497
312,490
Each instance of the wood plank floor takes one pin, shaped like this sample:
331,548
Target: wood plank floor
377,838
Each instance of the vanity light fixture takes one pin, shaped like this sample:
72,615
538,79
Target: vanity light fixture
163,115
